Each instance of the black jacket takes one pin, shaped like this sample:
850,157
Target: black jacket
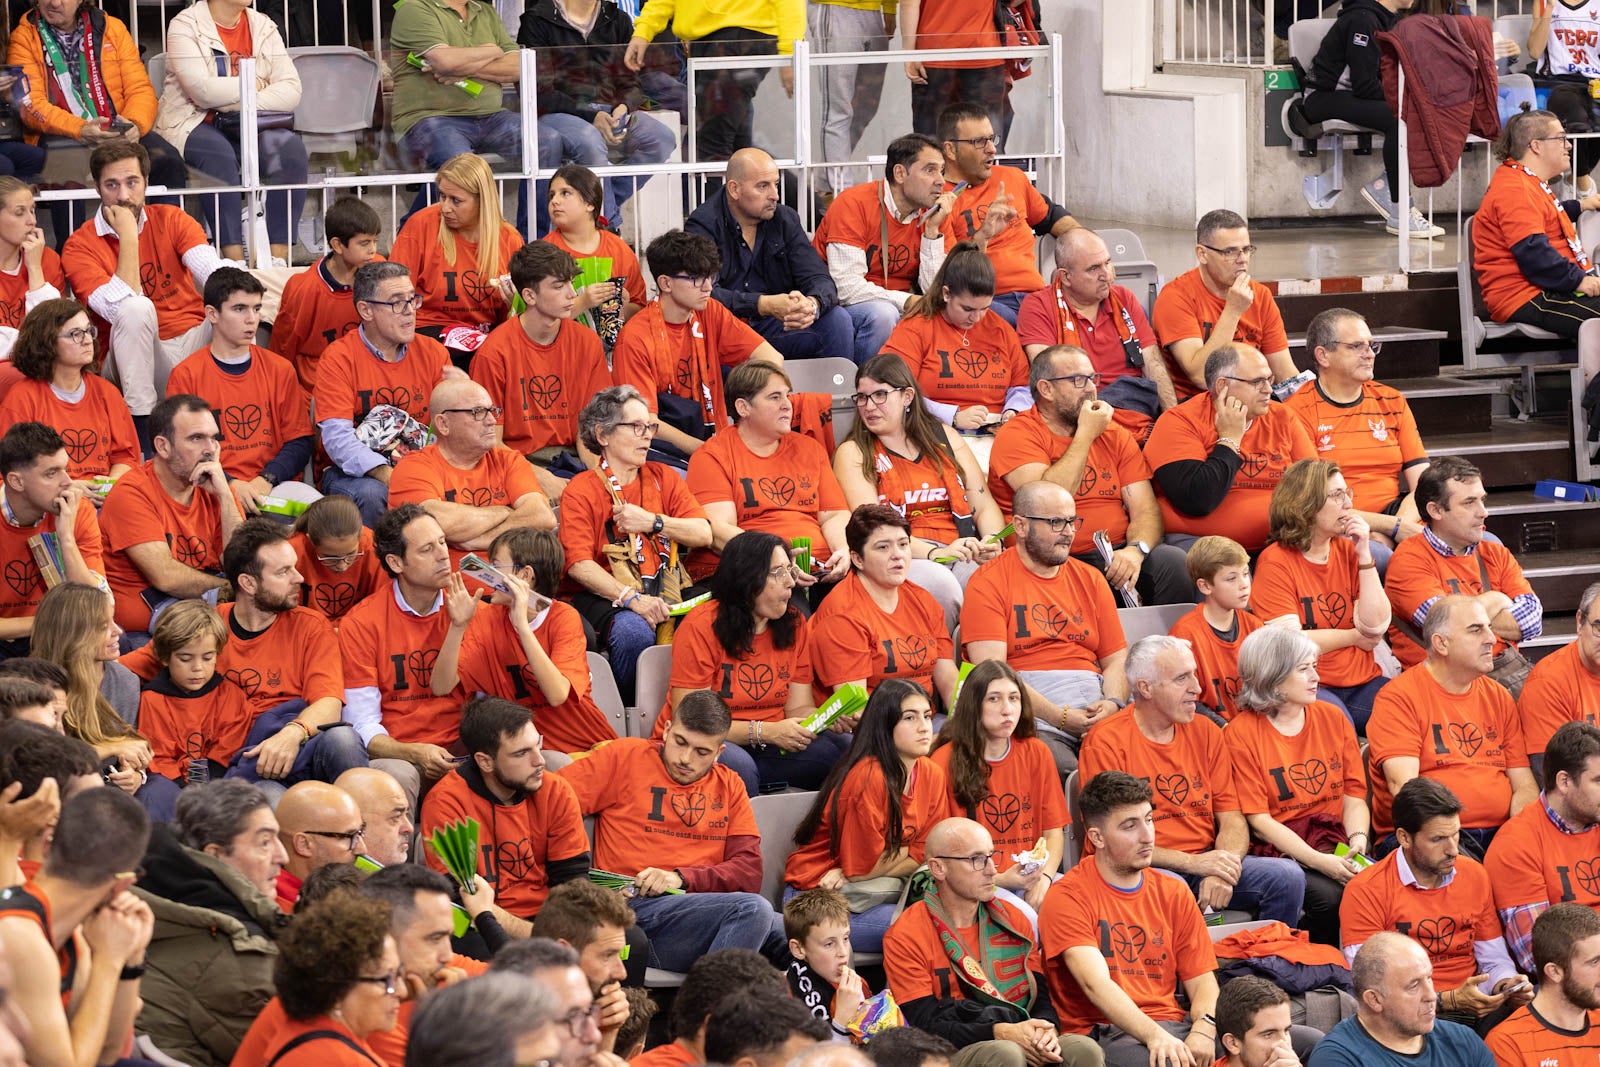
784,258
577,75
1353,42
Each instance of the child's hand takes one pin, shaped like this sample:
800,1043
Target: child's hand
847,1000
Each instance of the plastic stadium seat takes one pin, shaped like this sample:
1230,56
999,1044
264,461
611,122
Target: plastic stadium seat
1151,620
604,689
338,88
777,817
650,681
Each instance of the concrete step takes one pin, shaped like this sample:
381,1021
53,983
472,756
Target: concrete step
1446,405
1511,454
1560,577
1531,524
1408,351
1560,628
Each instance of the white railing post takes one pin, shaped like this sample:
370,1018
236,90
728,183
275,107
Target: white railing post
802,122
1403,194
1058,125
528,112
250,166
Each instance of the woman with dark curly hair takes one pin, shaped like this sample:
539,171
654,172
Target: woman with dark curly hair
55,354
867,829
995,762
751,646
338,979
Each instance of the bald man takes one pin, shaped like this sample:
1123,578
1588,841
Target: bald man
475,488
771,276
1052,618
1395,1014
384,809
319,824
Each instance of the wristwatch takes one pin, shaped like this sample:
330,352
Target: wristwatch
657,526
1143,547
269,477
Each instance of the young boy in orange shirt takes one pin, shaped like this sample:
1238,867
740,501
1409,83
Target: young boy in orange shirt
1220,569
817,922
195,719
316,308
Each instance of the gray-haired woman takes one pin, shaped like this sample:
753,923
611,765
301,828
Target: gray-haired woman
641,507
1297,769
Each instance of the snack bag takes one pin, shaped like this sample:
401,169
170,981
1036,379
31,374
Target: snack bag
876,1014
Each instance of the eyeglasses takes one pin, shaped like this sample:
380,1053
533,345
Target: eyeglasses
1079,381
980,861
1343,496
1553,137
1360,346
977,142
340,561
641,429
1593,625
390,982
1242,252
877,398
347,836
574,1020
399,305
80,336
699,281
1258,384
478,413
1056,525
787,569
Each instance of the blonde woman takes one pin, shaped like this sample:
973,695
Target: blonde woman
457,249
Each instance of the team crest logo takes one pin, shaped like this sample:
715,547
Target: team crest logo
1380,430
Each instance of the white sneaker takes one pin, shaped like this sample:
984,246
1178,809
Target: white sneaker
1420,226
1376,193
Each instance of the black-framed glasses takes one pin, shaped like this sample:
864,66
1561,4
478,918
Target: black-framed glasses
81,336
1071,522
574,1019
977,142
1360,346
1257,384
877,398
400,305
1554,137
1078,381
341,561
390,982
979,860
349,837
699,281
642,428
478,413
1241,252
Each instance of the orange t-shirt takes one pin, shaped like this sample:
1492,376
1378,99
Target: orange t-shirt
324,1052
211,723
655,356
1373,439
351,381
1418,574
499,480
540,388
1068,622
394,651
784,493
314,311
863,814
1322,596
645,819
138,511
1560,690
1152,938
1466,742
1516,206
1024,799
262,1034
928,496
586,505
958,24
1532,861
260,410
852,637
671,1054
1013,251
24,585
1290,778
1114,463
755,687
961,367
453,293
1445,921
1216,660
1191,775
332,593
97,430
519,840
917,966
237,40
856,218
1270,445
14,288
1528,1040
492,662
624,264
166,233
1186,309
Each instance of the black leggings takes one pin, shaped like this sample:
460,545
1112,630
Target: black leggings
1321,922
1325,104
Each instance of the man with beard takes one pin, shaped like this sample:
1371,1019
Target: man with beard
1564,1018
1052,618
1082,307
1540,857
384,809
1395,1020
555,966
166,522
598,924
1074,439
530,835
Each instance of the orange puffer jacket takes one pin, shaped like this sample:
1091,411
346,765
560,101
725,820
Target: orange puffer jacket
132,95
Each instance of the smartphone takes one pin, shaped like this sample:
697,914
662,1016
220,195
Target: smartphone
119,124
621,126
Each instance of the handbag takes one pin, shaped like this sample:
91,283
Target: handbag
669,581
228,123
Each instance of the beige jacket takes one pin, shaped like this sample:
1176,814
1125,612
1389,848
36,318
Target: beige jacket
193,86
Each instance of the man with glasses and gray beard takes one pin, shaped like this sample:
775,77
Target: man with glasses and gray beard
1052,618
555,966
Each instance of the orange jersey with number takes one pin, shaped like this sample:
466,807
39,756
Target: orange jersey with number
1191,775
540,388
394,652
755,686
97,429
260,409
961,367
1446,921
852,637
90,261
1114,463
1292,777
1322,596
1186,309
138,511
1216,658
453,293
1068,622
863,817
1023,800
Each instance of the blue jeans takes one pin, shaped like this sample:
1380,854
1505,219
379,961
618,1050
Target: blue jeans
283,162
832,334
329,754
874,321
439,138
570,139
159,798
684,928
1272,888
866,928
626,641
21,160
370,495
773,768
1006,305
1354,700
